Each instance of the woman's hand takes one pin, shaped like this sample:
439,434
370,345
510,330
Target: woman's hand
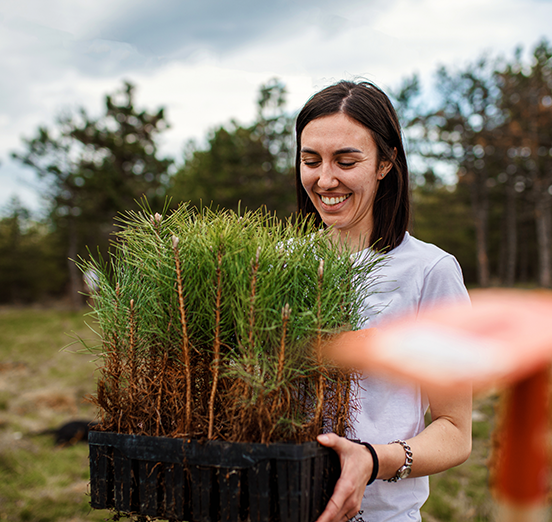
445,443
356,468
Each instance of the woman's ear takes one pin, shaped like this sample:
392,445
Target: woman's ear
386,166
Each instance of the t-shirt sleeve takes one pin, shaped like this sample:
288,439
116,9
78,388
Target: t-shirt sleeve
443,283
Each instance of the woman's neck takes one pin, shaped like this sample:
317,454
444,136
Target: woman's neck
353,242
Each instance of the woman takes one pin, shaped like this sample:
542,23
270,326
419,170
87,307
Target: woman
352,174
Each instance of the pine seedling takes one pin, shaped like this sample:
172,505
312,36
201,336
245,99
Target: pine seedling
213,326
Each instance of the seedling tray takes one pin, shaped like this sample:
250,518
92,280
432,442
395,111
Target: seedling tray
181,479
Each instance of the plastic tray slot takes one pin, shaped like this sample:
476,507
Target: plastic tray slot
148,477
259,489
174,491
101,477
317,485
305,474
122,475
229,481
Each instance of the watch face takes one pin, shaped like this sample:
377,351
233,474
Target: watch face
404,472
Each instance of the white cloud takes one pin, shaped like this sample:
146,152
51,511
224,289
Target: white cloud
204,95
204,60
443,32
80,18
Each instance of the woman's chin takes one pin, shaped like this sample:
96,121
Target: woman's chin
330,221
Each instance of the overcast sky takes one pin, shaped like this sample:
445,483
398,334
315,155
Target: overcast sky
203,60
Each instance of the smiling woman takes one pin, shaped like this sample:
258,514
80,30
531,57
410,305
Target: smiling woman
340,171
356,126
351,173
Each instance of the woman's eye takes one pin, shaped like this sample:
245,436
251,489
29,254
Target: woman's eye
311,163
346,163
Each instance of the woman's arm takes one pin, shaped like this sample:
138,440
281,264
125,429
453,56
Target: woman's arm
445,443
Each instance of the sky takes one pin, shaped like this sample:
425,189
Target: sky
204,60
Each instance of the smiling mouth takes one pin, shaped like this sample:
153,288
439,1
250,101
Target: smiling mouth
330,201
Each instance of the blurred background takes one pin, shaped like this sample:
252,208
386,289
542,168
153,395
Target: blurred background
104,102
193,100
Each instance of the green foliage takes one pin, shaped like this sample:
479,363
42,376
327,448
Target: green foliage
462,493
92,168
491,123
31,258
244,167
244,299
444,217
95,167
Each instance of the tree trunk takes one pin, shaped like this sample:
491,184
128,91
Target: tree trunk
75,278
483,275
544,230
511,236
480,207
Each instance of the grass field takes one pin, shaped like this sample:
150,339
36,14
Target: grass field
43,386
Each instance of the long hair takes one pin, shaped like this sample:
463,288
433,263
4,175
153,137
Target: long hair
368,105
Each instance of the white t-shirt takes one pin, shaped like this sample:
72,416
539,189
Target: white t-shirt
415,275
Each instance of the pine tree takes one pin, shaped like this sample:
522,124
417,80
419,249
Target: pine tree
93,168
244,167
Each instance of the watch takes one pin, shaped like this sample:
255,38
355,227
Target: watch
406,468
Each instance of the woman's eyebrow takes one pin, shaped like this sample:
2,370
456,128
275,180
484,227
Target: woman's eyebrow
346,150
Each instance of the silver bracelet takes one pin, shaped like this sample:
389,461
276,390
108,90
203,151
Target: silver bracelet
406,468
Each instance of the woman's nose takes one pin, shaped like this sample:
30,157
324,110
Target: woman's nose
327,179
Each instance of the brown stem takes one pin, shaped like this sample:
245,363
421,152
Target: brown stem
346,402
248,366
156,222
338,400
216,350
114,365
320,382
343,390
132,352
281,362
185,339
252,302
160,393
282,354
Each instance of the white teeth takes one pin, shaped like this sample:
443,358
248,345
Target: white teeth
333,201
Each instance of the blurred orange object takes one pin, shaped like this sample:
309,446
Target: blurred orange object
503,339
521,470
504,336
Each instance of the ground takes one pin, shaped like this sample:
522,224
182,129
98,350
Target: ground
43,385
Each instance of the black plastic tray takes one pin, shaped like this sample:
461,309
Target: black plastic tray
179,479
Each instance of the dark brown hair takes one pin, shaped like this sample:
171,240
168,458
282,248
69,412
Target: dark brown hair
370,106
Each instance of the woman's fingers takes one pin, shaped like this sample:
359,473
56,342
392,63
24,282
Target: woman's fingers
356,465
331,440
340,505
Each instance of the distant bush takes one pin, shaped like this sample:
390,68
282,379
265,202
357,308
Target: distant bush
32,265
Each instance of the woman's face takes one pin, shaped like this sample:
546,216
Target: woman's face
340,172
